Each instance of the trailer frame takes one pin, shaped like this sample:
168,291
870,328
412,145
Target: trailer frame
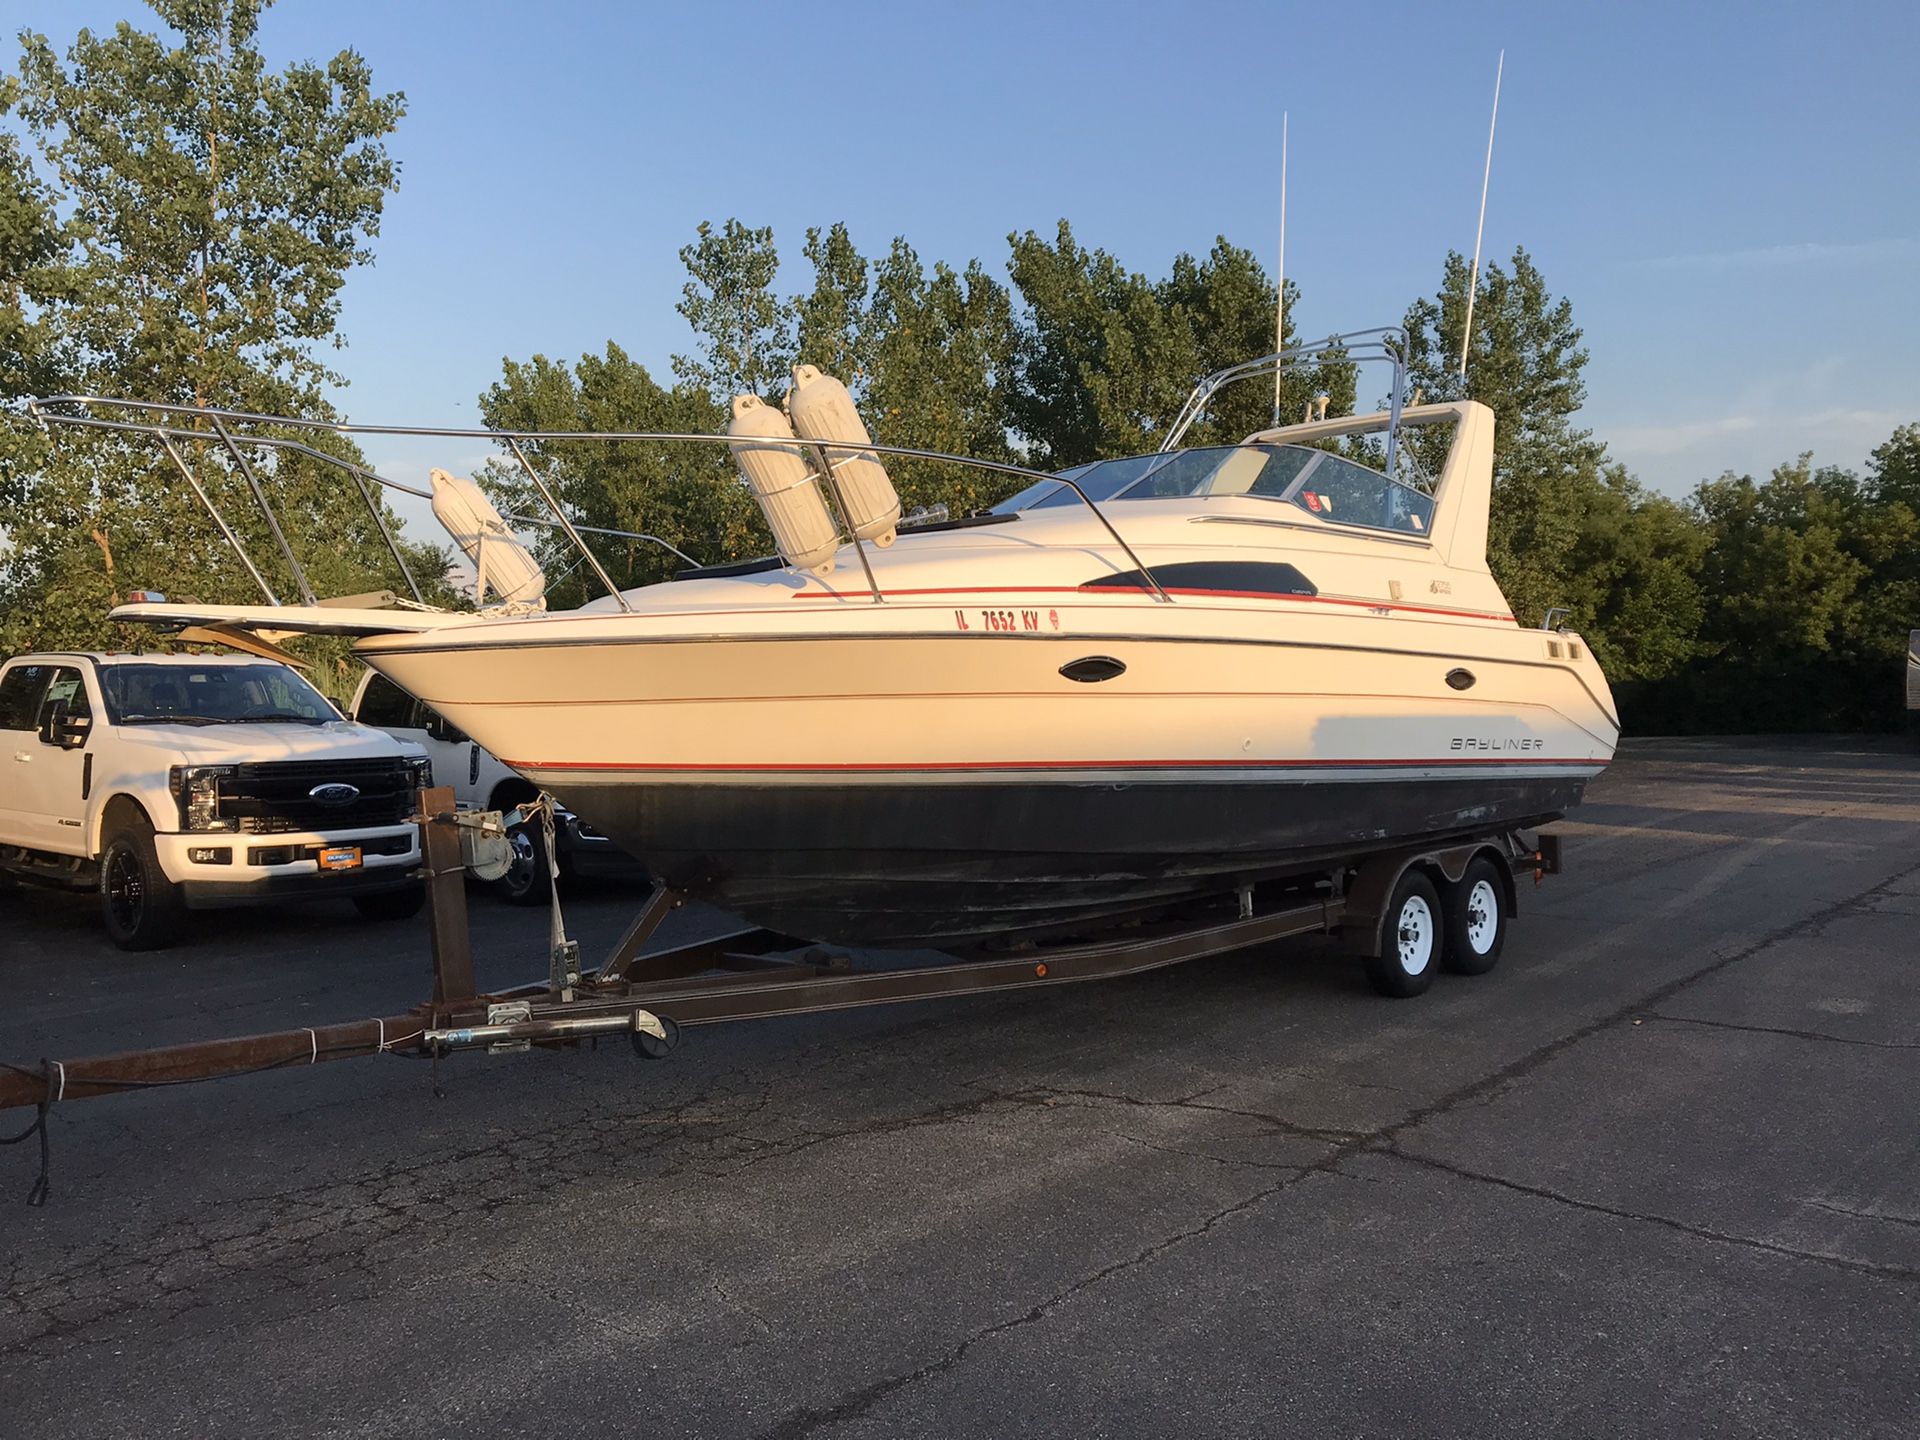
754,973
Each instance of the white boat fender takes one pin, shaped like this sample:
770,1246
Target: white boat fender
499,559
784,484
823,410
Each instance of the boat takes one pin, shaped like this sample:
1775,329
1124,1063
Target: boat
1144,680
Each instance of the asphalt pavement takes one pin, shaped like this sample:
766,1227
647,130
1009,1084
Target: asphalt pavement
1658,1174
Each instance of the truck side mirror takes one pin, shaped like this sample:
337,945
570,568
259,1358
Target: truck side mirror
444,730
58,727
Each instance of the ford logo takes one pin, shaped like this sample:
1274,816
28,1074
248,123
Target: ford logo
335,795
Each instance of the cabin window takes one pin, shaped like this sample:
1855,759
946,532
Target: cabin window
1343,493
1237,577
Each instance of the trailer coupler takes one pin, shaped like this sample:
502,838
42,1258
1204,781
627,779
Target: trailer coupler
512,1026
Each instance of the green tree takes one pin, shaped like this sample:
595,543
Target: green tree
1227,301
1100,364
1808,580
685,493
1637,596
938,345
1105,357
831,322
1524,362
744,329
213,210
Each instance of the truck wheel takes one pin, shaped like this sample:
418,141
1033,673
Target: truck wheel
527,880
391,904
1476,910
1409,939
142,909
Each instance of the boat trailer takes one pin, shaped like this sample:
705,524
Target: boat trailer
746,974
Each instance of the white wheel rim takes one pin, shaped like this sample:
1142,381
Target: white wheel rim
1483,916
1415,934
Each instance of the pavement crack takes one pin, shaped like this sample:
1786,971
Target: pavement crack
1819,1035
1496,1081
807,1421
1902,1273
1325,1134
1853,1213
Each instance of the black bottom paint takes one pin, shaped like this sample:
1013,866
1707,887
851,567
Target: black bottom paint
898,863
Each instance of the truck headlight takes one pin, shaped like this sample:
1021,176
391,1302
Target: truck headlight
197,788
421,769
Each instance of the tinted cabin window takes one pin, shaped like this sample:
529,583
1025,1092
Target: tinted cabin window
20,691
385,704
1241,577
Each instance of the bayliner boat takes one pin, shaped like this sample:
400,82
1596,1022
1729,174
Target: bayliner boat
1146,679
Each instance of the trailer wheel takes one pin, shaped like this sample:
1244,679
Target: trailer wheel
1410,939
1476,910
142,909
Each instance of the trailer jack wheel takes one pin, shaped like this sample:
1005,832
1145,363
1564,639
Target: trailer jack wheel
654,1036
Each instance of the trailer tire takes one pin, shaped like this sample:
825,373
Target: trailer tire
1410,939
140,908
1476,911
391,904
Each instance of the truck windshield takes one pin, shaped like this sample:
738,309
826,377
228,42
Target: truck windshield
147,694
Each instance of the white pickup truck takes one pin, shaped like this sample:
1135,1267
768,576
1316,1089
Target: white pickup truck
481,782
176,782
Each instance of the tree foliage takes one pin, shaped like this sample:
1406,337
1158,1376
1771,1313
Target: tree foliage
178,218
178,227
681,493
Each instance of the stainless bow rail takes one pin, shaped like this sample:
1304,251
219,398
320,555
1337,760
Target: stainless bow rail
168,429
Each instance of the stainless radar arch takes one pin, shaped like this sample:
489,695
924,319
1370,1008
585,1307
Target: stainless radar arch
170,423
1384,344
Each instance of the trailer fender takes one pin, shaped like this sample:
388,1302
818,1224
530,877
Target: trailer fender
1361,923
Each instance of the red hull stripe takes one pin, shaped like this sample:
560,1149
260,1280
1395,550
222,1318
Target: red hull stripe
1104,591
989,765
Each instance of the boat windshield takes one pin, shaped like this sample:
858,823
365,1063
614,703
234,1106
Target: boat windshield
1329,487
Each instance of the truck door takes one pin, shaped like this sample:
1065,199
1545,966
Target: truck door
21,686
50,763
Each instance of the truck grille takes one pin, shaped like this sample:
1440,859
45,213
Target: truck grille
272,797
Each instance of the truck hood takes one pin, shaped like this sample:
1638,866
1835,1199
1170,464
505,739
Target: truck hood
237,744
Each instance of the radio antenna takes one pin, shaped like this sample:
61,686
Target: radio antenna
1280,278
1473,279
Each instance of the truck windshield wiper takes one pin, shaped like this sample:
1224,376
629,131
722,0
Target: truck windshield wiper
165,720
272,718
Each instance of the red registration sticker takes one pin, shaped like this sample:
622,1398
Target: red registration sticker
340,857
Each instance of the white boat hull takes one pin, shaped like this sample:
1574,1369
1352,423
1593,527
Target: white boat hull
898,777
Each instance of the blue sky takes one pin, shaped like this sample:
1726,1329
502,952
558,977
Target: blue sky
1727,193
